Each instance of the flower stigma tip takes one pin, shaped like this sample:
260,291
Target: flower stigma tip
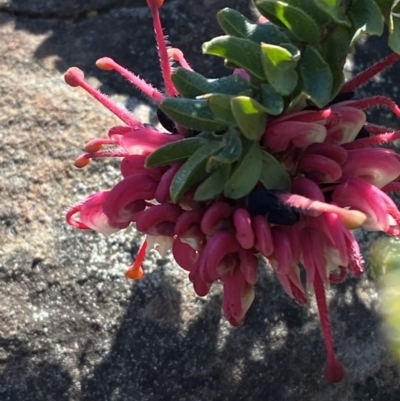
135,271
74,76
105,63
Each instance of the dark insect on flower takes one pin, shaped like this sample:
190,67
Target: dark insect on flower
265,202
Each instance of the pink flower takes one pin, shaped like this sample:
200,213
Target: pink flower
339,182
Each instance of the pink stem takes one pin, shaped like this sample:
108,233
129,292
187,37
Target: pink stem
333,370
84,160
75,77
370,72
374,101
107,64
162,51
372,141
375,129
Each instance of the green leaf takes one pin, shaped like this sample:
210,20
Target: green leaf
279,63
334,51
366,16
312,10
385,7
220,105
235,24
271,100
316,76
297,21
193,114
192,84
175,151
241,52
273,174
214,184
246,175
230,153
193,170
394,27
250,116
335,9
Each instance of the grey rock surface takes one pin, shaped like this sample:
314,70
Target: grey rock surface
71,326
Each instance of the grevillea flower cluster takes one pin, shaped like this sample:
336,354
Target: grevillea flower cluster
275,161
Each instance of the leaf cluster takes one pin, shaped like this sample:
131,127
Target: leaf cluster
292,61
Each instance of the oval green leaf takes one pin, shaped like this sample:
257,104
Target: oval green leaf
191,113
214,184
279,63
220,105
193,170
191,84
316,77
174,152
250,116
230,153
247,173
235,24
241,52
271,100
297,21
273,174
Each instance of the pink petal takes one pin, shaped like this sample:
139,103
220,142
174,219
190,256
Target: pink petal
126,199
313,259
286,249
278,137
362,196
91,215
262,231
244,229
248,265
134,164
217,248
184,255
331,150
141,140
238,297
159,219
377,166
320,169
352,120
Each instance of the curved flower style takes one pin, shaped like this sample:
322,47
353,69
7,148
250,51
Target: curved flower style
337,182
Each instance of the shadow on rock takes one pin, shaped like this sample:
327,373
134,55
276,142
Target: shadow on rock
25,376
126,34
277,354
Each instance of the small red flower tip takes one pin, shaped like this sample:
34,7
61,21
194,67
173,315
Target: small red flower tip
105,63
135,271
74,76
334,371
155,3
82,161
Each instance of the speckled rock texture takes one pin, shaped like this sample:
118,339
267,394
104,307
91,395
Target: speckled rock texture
71,326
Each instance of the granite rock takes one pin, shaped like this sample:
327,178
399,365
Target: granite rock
71,326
